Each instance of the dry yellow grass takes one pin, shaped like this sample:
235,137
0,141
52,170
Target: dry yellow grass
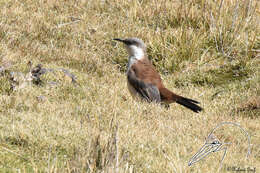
205,50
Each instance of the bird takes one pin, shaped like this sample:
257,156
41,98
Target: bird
144,82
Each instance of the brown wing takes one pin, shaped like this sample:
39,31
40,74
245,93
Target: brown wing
147,91
146,72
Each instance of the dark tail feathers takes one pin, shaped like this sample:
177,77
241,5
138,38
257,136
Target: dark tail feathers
189,103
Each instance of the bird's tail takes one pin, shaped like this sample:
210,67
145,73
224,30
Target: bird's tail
169,97
189,103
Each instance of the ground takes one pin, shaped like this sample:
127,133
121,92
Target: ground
204,50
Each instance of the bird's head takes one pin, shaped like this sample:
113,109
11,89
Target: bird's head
135,47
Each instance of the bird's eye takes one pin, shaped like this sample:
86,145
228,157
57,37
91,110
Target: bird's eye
133,42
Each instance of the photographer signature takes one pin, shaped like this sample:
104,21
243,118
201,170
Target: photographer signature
212,144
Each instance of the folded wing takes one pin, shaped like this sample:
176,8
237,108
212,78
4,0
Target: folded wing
147,91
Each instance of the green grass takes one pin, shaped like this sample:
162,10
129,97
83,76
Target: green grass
204,50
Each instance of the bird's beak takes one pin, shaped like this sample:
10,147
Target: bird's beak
121,40
205,150
118,39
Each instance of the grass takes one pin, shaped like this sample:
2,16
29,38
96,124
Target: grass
204,50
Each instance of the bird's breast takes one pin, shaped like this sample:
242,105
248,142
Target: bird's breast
131,60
